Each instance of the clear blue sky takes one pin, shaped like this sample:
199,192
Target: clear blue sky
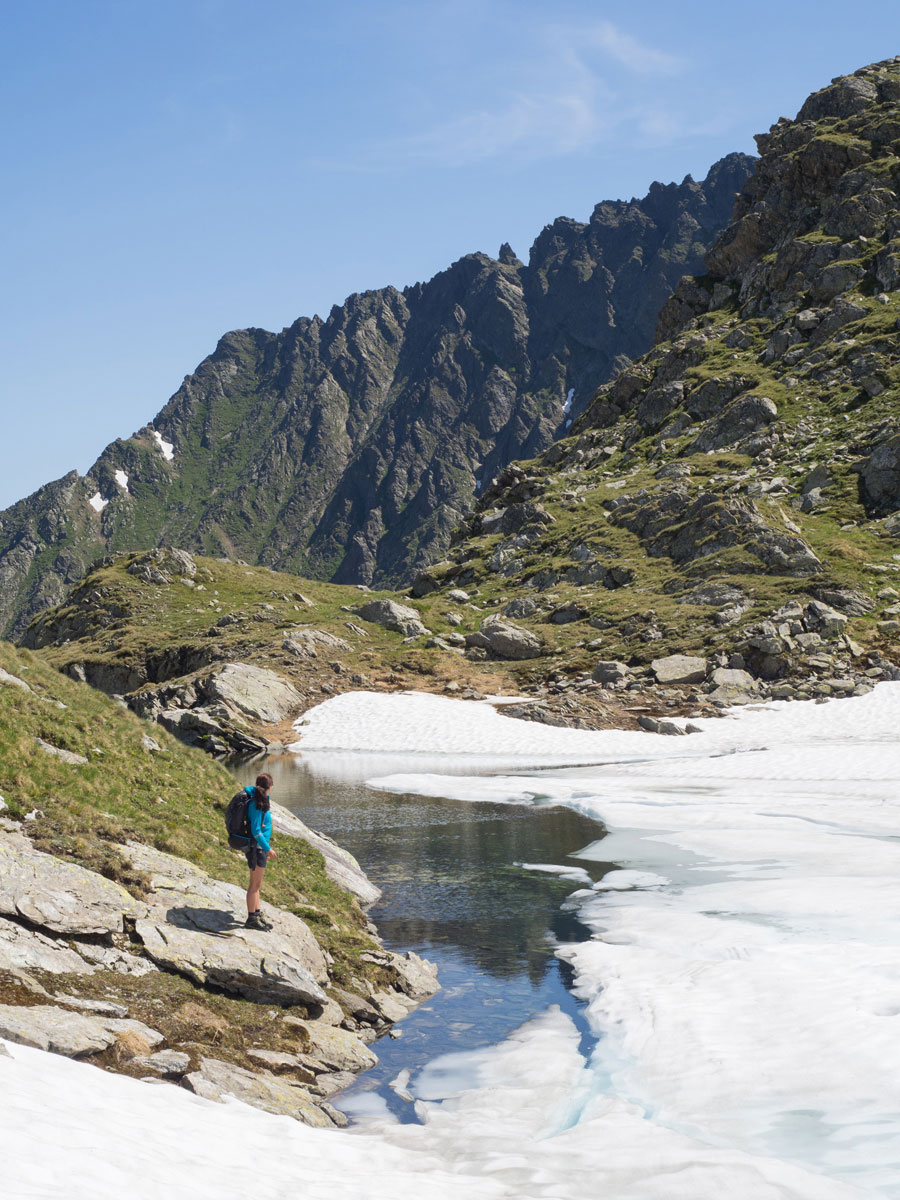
177,168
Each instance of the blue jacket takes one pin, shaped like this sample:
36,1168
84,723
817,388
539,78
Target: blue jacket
260,822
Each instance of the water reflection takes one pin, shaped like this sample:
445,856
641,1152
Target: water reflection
452,894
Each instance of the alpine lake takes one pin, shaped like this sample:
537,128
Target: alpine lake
452,893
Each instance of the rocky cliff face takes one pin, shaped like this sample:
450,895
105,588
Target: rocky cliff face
349,448
744,472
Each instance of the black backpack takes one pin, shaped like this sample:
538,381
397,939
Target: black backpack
237,821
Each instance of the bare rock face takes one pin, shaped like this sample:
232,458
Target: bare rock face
23,948
880,478
59,896
337,1049
309,643
256,692
195,926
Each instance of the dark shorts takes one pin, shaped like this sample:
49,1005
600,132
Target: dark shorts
256,857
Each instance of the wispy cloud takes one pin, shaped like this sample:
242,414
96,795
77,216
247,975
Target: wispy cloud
568,96
630,53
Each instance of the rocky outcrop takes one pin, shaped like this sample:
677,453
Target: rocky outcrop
751,457
58,896
73,1034
378,424
217,1080
399,617
195,926
505,639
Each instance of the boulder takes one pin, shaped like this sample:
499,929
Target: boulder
416,977
340,865
337,1049
256,692
508,640
654,725
59,896
679,668
198,727
195,927
610,671
881,478
217,1080
825,619
398,617
732,686
567,613
72,1034
306,643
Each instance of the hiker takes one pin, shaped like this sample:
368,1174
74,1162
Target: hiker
260,850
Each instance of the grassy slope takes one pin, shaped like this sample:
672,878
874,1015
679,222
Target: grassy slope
173,800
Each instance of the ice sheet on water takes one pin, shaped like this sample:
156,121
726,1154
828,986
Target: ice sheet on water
570,873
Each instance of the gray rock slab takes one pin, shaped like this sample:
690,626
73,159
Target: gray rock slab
733,686
416,977
308,643
196,927
27,949
13,681
337,1049
610,671
72,1034
215,1080
340,865
255,691
276,1061
100,1008
66,756
59,896
679,668
167,1064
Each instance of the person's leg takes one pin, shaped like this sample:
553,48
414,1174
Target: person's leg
256,878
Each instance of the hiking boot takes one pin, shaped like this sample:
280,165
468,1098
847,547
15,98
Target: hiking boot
255,921
264,922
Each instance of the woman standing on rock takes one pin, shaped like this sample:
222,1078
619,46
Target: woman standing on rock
260,850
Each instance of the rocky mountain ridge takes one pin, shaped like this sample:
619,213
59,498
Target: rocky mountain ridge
743,477
349,448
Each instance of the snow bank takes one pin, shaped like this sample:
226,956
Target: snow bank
522,1120
420,723
121,479
97,502
166,448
